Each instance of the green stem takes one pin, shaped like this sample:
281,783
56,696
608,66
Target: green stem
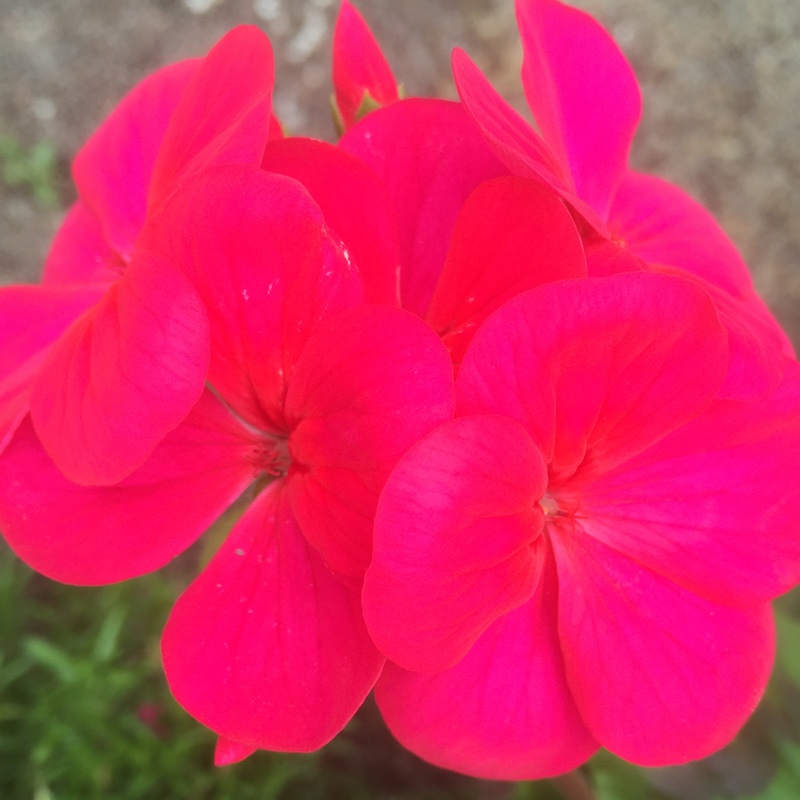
574,786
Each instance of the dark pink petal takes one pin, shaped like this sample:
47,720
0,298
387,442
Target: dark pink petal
583,95
257,250
370,383
225,114
512,139
113,169
430,157
94,535
597,369
512,234
714,506
354,203
504,712
80,252
359,66
229,752
660,675
124,374
32,318
457,541
266,647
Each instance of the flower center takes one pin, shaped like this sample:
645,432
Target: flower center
270,456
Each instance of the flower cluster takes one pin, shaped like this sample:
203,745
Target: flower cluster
494,424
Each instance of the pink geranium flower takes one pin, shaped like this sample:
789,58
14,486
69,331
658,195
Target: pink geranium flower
587,105
585,556
313,397
109,310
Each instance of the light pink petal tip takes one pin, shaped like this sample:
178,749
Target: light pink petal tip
266,647
360,68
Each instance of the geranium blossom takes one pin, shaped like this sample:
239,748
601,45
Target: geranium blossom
315,395
594,539
586,102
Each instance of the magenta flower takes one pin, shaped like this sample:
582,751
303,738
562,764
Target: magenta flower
109,310
585,556
586,102
313,398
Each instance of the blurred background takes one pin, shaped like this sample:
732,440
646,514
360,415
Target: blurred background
83,708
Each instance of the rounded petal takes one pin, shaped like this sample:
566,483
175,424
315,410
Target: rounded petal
597,369
504,712
113,169
457,541
512,139
32,318
360,69
713,506
256,248
430,157
355,205
266,647
583,95
370,383
511,234
225,114
123,375
660,675
95,535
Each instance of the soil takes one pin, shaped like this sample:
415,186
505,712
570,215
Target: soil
721,83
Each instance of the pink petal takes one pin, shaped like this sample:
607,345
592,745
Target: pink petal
430,157
511,235
714,506
504,712
225,114
257,251
359,66
512,139
660,675
80,253
370,383
32,318
123,375
229,752
583,95
661,224
266,647
457,541
113,169
597,369
354,203
95,535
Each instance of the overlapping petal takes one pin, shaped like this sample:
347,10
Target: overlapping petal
660,675
33,317
267,647
354,203
504,711
597,369
258,253
370,383
123,375
430,157
511,234
457,541
95,535
583,95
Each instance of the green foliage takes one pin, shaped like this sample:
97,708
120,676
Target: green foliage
33,169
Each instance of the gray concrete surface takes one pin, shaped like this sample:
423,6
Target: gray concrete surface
721,82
